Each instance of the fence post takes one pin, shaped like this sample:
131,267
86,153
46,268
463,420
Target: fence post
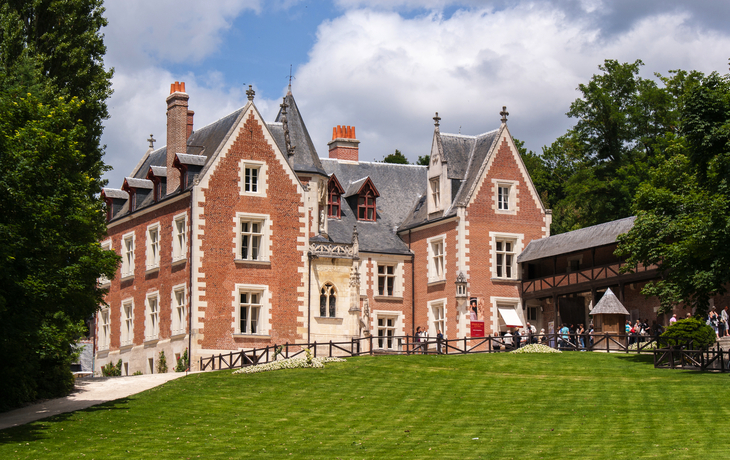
408,344
606,339
371,345
315,348
287,349
464,345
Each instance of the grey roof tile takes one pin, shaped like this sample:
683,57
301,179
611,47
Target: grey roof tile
115,193
577,240
305,154
197,160
159,171
609,305
139,183
399,186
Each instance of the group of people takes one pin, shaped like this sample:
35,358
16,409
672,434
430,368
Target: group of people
421,339
719,321
640,329
575,337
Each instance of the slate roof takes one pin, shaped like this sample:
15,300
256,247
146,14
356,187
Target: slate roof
305,158
609,305
465,157
159,171
139,183
400,186
187,159
204,141
116,193
577,240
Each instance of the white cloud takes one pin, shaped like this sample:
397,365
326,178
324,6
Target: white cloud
388,74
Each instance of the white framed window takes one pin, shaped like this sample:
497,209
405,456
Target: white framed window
436,258
152,317
252,242
153,246
179,237
505,248
253,179
328,301
106,246
505,195
128,255
127,323
252,310
104,329
386,332
505,258
179,310
437,316
435,185
386,280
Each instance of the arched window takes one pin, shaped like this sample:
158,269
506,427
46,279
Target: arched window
328,301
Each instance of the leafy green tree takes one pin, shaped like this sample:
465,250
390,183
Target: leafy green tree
53,89
397,158
621,130
424,160
683,210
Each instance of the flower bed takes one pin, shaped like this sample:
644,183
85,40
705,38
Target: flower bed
292,363
635,346
536,348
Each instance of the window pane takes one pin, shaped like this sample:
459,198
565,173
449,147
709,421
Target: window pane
333,305
254,319
390,286
244,319
381,285
255,241
244,247
323,304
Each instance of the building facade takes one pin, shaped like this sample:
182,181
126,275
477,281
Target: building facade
237,235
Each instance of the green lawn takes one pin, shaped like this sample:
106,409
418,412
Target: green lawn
569,405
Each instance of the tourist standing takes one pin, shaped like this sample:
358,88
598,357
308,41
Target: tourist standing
673,319
439,341
725,317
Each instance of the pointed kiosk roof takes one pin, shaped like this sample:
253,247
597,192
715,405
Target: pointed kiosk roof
609,305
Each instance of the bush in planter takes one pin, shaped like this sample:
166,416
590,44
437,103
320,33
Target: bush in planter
688,331
162,363
110,370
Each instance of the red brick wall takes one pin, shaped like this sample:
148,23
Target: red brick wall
219,272
482,218
161,280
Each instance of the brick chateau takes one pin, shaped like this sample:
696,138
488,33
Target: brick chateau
238,235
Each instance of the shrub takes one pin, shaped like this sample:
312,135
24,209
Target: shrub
291,363
182,363
110,370
137,373
689,332
161,363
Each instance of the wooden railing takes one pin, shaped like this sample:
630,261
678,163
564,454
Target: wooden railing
406,345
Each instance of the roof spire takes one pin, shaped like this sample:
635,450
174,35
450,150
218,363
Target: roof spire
290,78
250,92
504,114
152,141
285,123
436,120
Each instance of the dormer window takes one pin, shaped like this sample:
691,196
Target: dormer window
435,184
366,206
334,198
366,193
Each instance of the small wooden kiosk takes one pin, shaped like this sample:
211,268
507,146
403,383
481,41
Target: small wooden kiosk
609,315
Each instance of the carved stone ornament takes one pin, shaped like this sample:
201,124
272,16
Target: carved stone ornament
336,250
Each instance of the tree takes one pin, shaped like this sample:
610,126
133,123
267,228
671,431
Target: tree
53,88
622,123
397,158
683,210
424,160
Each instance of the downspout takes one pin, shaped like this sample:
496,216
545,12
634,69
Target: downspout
190,286
413,286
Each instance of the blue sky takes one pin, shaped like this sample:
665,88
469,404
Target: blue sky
385,66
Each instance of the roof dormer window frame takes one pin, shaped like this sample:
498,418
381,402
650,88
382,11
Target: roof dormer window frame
334,198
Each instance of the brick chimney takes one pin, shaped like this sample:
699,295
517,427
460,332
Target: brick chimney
344,145
179,125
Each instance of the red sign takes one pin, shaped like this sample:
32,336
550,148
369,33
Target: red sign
477,329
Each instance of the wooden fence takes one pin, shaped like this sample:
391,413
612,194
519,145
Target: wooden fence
406,345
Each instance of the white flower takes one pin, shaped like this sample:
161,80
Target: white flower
292,363
536,348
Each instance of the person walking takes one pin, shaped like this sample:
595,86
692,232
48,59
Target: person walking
439,341
725,317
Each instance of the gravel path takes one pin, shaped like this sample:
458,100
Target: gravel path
88,392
